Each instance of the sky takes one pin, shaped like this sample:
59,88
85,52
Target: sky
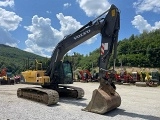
38,25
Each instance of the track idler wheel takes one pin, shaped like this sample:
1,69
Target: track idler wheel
104,99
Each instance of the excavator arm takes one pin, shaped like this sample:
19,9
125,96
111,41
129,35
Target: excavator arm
107,24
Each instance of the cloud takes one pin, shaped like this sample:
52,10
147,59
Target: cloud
141,24
49,12
6,3
66,5
42,33
147,5
7,39
33,48
68,24
94,8
43,37
9,20
12,44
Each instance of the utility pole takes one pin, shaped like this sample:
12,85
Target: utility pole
114,62
121,63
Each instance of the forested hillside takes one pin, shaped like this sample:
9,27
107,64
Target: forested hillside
16,60
141,51
137,51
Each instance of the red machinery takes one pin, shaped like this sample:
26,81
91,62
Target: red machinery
85,75
5,77
3,72
123,77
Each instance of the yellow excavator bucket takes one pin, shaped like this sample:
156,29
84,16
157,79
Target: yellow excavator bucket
104,99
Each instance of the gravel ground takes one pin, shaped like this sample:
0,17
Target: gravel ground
138,103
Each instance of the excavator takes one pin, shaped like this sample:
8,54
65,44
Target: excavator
56,79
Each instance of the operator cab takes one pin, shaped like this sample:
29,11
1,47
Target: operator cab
64,73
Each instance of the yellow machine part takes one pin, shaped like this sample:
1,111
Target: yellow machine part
5,77
35,77
104,99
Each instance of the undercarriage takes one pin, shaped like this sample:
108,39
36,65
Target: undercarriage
49,96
